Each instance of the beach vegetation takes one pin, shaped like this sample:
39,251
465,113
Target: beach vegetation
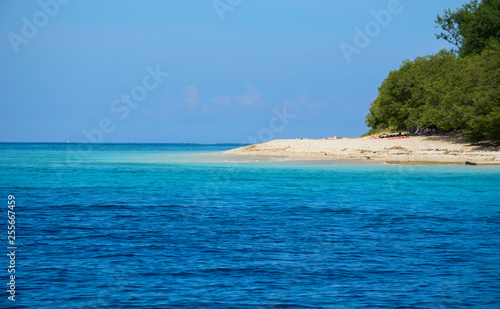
472,27
457,89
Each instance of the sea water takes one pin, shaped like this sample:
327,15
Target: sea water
170,226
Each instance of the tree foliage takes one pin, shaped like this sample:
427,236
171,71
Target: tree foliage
472,27
449,90
483,74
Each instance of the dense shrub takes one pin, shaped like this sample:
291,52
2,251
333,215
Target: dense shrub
446,90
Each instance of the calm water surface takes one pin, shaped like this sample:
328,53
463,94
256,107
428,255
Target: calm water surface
166,226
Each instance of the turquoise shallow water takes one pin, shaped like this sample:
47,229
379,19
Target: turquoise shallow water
169,226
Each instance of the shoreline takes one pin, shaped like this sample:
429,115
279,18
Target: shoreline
438,149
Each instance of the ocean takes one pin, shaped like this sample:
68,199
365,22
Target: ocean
181,226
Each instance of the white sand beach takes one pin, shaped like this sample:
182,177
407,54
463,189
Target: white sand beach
412,150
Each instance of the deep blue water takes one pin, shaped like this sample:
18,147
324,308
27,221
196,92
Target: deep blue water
137,226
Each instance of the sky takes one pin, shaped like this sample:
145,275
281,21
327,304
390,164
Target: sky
202,71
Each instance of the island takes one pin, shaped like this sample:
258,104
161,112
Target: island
437,149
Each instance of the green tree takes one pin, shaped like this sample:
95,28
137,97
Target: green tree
447,90
390,109
483,74
423,92
472,27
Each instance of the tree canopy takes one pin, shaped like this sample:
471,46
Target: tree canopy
450,90
472,27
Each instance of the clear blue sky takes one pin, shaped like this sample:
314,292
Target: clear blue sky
65,67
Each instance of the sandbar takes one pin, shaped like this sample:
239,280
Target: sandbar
444,149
